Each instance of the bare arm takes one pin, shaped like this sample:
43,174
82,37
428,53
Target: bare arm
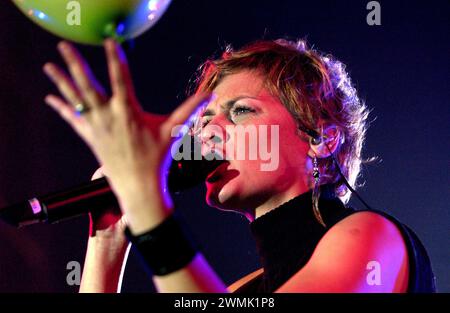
103,267
351,255
107,250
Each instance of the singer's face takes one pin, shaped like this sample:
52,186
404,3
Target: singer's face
257,134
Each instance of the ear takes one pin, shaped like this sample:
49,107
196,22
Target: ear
331,137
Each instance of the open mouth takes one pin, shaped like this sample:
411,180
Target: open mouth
217,174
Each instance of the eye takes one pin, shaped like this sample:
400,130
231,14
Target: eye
241,109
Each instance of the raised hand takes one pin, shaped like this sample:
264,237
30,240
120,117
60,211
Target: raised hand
130,143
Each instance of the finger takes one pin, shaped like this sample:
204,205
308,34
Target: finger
66,111
119,72
64,84
90,89
185,110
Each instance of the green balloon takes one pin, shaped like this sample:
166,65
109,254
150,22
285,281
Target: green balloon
91,21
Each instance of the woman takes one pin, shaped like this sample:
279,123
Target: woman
307,239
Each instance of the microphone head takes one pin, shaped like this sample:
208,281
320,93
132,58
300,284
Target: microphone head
193,170
21,214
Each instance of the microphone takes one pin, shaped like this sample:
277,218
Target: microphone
98,195
61,205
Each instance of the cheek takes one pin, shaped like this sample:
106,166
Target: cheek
266,149
252,179
252,144
272,160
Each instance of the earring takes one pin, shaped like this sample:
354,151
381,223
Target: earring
316,192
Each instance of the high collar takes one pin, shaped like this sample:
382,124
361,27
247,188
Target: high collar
287,235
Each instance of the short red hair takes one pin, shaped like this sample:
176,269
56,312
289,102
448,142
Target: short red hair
312,86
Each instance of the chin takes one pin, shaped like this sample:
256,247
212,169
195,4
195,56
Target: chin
223,196
231,196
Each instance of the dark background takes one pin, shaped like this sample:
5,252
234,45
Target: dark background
400,68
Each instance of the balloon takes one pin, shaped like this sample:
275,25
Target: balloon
91,21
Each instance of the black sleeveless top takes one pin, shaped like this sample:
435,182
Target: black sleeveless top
287,236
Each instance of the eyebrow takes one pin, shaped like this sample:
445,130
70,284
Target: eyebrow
227,106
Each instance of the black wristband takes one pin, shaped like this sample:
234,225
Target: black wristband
166,248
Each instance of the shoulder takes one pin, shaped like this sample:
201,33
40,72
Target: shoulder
366,225
348,256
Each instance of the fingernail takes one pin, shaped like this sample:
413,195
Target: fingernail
47,68
48,100
63,46
109,43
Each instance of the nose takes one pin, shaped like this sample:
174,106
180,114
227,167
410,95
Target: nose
211,134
